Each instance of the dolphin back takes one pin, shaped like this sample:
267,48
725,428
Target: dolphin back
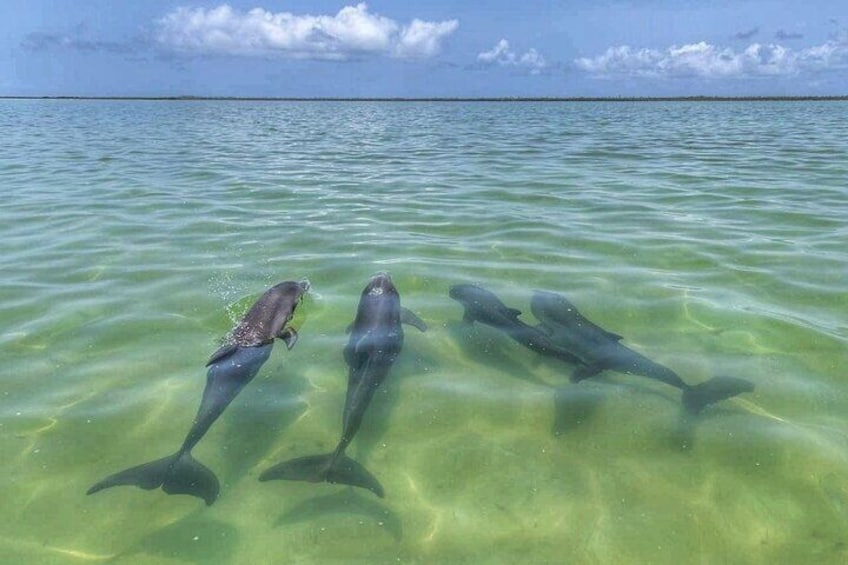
176,474
557,313
329,468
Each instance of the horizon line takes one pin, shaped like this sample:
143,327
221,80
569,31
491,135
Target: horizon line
698,98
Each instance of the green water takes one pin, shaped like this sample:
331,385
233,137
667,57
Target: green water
712,236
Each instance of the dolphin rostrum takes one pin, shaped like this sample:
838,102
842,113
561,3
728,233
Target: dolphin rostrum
376,338
484,306
231,367
599,350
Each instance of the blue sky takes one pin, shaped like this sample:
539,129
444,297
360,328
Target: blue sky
433,48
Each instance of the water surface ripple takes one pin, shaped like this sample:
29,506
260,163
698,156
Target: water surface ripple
712,236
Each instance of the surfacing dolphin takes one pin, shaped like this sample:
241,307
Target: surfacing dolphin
484,306
376,338
600,350
231,367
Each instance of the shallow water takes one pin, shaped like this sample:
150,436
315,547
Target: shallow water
712,236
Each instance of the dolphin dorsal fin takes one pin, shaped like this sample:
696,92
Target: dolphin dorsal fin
613,336
221,353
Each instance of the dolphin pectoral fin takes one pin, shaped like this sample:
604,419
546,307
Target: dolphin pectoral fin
221,353
176,474
289,337
329,468
584,372
696,398
409,318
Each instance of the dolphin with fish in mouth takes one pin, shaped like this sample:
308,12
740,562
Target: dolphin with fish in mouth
599,350
231,367
376,339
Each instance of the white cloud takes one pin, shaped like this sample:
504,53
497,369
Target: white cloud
353,30
423,39
501,54
710,61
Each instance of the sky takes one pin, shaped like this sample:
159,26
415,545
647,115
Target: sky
437,48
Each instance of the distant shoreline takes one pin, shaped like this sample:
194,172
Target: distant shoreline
448,99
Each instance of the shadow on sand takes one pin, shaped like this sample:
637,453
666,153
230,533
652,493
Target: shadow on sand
193,539
257,419
489,347
348,501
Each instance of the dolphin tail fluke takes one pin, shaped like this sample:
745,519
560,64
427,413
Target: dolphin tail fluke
190,476
697,397
347,471
176,474
147,475
330,468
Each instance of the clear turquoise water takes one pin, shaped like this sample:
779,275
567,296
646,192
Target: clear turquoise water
713,236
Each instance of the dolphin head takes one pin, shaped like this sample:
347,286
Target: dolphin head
270,315
462,291
380,283
379,307
472,294
290,292
547,305
482,305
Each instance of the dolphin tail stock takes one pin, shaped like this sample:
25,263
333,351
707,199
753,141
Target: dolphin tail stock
179,473
696,398
334,468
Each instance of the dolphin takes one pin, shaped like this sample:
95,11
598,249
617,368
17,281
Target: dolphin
483,306
231,367
376,338
599,350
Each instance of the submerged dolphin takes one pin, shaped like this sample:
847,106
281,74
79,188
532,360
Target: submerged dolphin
231,367
599,350
483,306
376,338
